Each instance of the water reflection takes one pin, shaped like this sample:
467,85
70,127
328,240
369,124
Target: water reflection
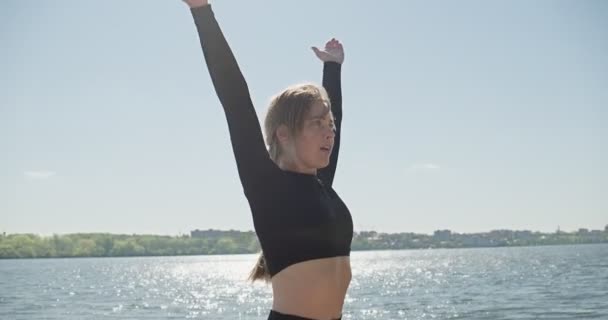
496,283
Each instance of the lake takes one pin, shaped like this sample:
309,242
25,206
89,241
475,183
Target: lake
544,282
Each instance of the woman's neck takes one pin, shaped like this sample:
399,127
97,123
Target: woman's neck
291,165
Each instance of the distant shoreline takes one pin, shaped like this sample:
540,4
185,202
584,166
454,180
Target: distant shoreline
216,242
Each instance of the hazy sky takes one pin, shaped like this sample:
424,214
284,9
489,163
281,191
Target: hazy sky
468,115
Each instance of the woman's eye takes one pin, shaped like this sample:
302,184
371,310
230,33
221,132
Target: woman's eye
319,123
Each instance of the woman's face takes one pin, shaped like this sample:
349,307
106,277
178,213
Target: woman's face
313,144
315,141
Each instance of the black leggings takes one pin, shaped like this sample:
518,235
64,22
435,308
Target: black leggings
275,315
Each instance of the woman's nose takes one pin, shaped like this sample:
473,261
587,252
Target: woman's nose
331,131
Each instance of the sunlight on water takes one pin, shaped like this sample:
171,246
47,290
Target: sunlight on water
492,283
203,286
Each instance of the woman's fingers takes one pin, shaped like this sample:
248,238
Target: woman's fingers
332,51
196,3
333,43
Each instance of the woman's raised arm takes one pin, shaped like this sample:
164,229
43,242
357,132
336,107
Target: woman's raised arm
252,158
333,57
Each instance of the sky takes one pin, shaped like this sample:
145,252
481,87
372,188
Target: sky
469,115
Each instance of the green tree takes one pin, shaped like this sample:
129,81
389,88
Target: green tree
127,248
64,246
87,248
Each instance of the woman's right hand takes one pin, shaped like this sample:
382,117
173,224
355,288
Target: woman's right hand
196,3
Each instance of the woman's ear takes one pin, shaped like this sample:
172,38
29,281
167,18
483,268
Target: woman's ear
282,134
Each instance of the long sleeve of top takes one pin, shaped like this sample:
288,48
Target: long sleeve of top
332,84
252,158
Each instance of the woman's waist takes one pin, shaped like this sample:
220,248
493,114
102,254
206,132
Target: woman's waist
315,288
319,305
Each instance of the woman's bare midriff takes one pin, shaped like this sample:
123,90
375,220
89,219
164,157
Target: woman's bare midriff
312,289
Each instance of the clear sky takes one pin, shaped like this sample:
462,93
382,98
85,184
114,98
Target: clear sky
468,115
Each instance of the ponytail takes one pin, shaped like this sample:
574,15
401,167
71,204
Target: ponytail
260,270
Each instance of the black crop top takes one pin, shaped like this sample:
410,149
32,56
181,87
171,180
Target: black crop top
297,216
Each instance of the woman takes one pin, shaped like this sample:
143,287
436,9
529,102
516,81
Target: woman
304,228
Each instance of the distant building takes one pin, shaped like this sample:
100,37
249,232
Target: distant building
596,236
473,241
442,235
606,228
583,230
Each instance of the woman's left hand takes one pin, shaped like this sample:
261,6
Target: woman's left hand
333,51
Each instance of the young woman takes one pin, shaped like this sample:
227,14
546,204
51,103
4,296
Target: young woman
304,228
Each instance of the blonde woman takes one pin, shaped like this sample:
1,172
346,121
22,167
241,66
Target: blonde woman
304,228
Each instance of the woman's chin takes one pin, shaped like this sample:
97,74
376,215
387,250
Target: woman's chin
323,164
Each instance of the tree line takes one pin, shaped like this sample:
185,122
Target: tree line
117,245
211,241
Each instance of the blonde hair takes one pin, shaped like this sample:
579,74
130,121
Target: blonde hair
288,108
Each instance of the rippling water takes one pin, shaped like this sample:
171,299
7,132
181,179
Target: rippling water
549,282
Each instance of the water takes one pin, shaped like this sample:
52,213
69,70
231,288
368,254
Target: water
549,282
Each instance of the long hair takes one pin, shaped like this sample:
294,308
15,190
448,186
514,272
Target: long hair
287,108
